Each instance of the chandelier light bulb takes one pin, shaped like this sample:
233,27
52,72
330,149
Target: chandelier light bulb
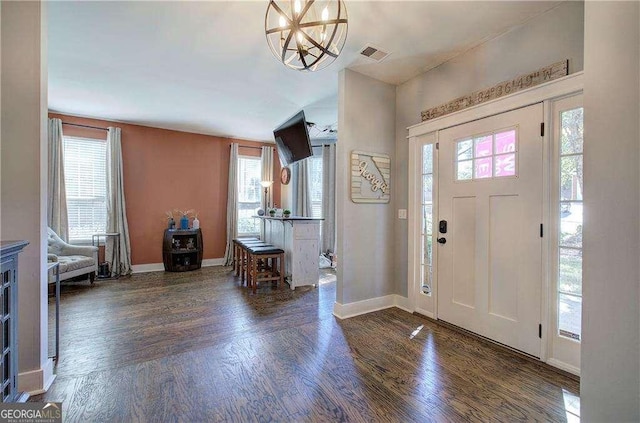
306,36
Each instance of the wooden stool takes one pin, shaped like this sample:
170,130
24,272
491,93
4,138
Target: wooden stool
236,251
269,272
243,259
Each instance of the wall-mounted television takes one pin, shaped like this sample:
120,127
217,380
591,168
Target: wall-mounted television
292,140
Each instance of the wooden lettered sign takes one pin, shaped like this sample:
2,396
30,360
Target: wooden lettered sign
370,177
522,82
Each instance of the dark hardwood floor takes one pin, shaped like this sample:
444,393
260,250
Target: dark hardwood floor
197,347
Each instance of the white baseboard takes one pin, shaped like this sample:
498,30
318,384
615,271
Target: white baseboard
144,268
213,262
344,311
38,381
426,313
402,303
159,267
564,366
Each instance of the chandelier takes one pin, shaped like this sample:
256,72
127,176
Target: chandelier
306,35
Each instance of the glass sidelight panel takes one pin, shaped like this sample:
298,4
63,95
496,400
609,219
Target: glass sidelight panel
570,189
427,188
427,210
570,274
571,178
571,136
571,224
570,316
427,224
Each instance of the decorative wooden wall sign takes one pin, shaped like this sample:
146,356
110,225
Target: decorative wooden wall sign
370,177
546,74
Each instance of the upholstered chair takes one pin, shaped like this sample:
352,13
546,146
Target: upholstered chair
75,260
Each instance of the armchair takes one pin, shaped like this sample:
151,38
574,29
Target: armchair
75,260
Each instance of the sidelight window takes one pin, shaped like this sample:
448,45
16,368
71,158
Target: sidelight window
427,219
570,228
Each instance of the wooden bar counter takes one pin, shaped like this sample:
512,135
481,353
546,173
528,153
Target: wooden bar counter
299,237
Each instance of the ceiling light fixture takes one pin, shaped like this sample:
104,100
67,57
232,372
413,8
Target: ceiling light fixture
306,35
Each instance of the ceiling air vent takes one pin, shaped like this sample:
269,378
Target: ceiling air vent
373,53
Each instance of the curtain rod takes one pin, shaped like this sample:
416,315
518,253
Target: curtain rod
85,126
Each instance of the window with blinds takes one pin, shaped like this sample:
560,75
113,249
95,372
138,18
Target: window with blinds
85,172
315,185
249,194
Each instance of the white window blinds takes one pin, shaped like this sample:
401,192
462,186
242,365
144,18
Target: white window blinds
315,185
85,168
249,194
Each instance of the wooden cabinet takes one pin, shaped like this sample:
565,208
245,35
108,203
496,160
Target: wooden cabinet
299,237
182,250
9,251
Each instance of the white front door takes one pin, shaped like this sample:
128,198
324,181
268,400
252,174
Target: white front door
490,253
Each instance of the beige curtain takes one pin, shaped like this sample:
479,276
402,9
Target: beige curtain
267,174
119,258
56,192
301,191
328,241
232,204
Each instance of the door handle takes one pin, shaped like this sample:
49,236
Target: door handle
442,240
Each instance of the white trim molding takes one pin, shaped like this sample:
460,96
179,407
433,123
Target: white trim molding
144,268
159,267
213,262
564,366
426,313
38,381
345,311
557,88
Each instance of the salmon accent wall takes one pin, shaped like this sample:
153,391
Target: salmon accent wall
167,170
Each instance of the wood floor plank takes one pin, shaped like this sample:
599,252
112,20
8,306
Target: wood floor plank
198,347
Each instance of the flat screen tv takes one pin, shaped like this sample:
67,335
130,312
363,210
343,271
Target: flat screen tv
292,140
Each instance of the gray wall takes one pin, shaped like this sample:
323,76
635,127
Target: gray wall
610,371
549,38
366,118
23,171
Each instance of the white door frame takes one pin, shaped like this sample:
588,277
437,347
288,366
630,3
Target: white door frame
562,351
546,93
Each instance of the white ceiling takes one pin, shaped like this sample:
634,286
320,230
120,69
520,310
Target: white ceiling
205,67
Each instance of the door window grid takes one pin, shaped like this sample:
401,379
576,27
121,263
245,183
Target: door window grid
249,194
486,156
427,220
571,186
